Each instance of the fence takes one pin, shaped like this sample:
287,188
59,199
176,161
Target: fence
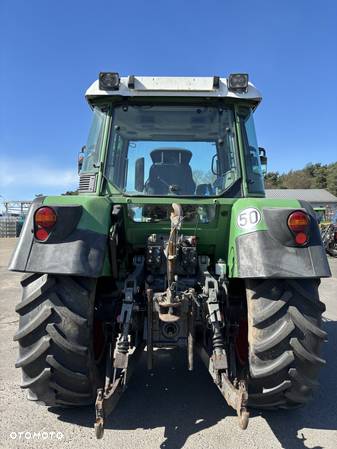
10,226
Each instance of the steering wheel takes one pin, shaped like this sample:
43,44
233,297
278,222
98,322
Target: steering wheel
172,187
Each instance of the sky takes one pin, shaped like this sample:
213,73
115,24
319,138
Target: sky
51,51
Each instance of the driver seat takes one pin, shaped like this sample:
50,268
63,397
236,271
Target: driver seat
170,172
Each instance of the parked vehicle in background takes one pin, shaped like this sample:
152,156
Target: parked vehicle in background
328,228
329,237
321,215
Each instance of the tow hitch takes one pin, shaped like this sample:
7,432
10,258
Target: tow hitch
120,362
108,397
183,302
235,393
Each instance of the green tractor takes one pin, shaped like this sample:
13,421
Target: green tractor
322,216
170,243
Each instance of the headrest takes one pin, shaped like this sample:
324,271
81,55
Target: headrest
176,156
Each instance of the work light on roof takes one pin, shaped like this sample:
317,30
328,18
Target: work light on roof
109,81
238,82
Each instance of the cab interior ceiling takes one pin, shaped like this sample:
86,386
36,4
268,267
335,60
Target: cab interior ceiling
144,124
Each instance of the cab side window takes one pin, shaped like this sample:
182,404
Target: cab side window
251,150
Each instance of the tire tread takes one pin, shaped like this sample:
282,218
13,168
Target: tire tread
54,335
285,336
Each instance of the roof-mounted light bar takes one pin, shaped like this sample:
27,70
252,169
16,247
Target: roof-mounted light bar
238,82
108,81
131,81
234,85
216,82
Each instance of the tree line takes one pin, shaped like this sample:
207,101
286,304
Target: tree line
312,176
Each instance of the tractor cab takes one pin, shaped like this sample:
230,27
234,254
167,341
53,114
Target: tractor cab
152,138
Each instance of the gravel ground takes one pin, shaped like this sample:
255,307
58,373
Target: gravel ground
172,409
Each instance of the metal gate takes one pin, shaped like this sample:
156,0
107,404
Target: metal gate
9,226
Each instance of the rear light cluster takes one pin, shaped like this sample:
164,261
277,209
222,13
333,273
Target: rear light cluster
299,223
44,220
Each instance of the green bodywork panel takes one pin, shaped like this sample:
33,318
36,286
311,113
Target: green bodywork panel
212,237
96,215
235,231
96,210
215,239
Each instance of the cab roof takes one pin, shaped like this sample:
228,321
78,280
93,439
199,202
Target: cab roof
164,86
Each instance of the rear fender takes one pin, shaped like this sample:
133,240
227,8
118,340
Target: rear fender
262,246
76,246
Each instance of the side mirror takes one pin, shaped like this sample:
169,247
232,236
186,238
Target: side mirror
215,166
139,174
263,160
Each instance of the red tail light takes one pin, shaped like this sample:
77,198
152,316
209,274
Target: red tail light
45,219
301,238
298,223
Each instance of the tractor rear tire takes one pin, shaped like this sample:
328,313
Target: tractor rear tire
55,338
284,337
